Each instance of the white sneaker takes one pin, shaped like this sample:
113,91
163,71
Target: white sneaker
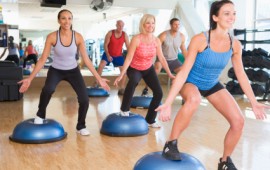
83,132
154,125
38,120
124,113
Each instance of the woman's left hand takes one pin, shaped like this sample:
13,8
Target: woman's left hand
25,83
103,84
259,110
118,79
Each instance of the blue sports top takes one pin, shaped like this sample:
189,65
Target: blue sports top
64,56
208,66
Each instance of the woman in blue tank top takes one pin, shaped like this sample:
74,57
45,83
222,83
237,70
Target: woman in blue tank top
208,54
66,42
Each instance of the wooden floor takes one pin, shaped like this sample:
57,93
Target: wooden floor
203,139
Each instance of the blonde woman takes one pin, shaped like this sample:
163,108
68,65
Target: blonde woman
139,65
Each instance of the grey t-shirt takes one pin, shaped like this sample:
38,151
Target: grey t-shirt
170,46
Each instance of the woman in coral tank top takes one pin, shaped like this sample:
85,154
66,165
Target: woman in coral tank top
139,65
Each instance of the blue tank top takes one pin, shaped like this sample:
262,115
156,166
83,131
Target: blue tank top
208,66
64,56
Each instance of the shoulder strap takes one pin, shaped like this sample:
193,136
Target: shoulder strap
74,37
231,39
207,38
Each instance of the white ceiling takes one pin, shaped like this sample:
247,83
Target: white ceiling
34,11
31,11
29,15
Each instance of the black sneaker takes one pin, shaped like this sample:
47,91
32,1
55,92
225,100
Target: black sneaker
228,165
170,151
145,92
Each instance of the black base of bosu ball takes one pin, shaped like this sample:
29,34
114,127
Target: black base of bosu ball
124,126
97,92
155,161
28,132
141,102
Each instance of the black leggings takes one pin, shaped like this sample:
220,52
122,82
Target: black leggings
13,58
151,79
30,57
74,77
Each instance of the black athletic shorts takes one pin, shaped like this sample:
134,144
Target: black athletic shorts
214,89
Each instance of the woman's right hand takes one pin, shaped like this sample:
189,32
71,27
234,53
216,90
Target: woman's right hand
25,83
165,112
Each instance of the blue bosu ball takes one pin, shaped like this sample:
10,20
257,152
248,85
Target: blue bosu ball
141,102
26,72
97,92
155,161
28,132
124,126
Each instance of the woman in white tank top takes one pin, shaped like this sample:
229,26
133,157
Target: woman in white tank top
65,67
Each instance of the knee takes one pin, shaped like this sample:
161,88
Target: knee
48,90
193,100
238,123
158,94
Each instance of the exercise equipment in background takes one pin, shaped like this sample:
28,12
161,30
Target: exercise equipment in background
256,64
10,75
244,32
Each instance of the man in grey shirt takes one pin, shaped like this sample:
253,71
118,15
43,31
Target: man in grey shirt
171,41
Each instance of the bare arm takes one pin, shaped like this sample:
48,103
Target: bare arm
106,45
51,40
162,59
131,50
18,51
36,52
181,76
240,73
25,52
243,80
162,37
4,52
87,61
183,45
126,41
